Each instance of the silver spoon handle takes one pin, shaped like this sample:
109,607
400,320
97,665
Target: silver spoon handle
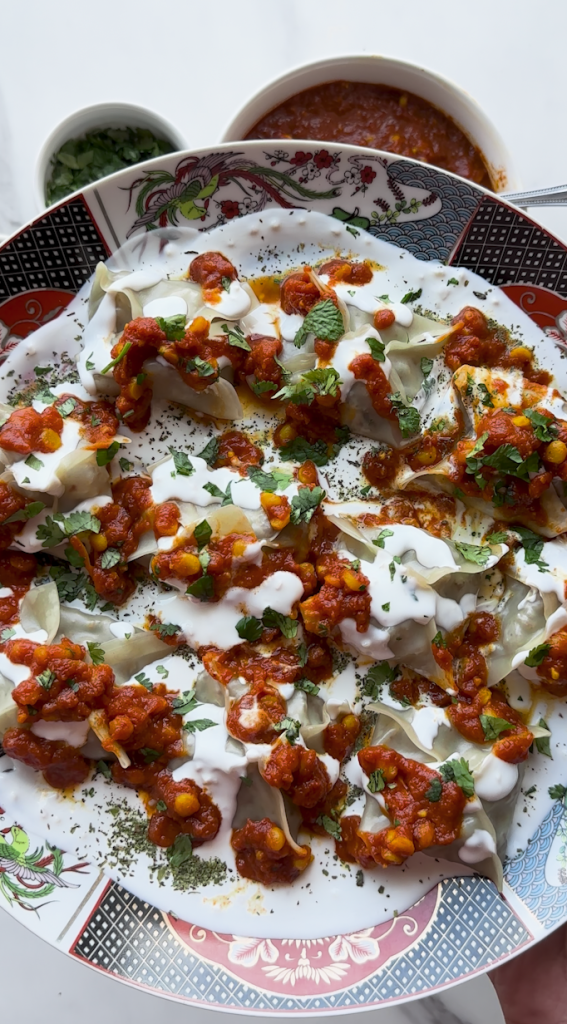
556,195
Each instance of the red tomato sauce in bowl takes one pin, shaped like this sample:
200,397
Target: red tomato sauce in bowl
378,117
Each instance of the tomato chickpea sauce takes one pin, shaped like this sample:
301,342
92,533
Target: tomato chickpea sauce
374,116
28,431
64,687
284,661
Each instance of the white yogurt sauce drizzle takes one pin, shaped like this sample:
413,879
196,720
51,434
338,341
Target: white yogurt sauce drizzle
214,765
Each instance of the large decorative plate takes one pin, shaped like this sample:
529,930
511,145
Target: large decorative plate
462,926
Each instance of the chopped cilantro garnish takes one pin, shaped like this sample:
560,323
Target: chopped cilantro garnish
181,461
300,450
202,366
261,387
202,533
330,825
172,326
216,492
435,791
181,852
199,725
66,407
537,655
533,547
33,462
306,685
276,479
507,459
23,514
473,552
235,337
543,743
99,152
376,677
144,681
106,455
545,428
74,557
458,771
58,527
380,540
324,381
150,755
324,320
110,557
185,703
165,628
376,781
276,620
249,628
210,451
376,349
203,588
486,398
499,537
493,726
412,296
304,503
46,679
408,417
291,727
96,652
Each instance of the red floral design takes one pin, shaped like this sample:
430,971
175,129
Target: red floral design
310,966
229,208
322,159
367,175
301,158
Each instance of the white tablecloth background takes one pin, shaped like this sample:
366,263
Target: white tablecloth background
196,63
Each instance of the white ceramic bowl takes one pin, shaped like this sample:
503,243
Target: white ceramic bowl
101,115
439,91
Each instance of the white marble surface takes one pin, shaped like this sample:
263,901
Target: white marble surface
58,56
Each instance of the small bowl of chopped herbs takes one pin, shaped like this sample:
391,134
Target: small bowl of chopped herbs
97,141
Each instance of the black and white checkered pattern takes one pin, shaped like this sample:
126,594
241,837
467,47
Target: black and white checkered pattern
60,251
505,247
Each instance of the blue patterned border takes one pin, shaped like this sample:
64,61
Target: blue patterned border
525,874
435,238
473,928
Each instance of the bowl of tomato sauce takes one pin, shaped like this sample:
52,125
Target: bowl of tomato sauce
381,103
